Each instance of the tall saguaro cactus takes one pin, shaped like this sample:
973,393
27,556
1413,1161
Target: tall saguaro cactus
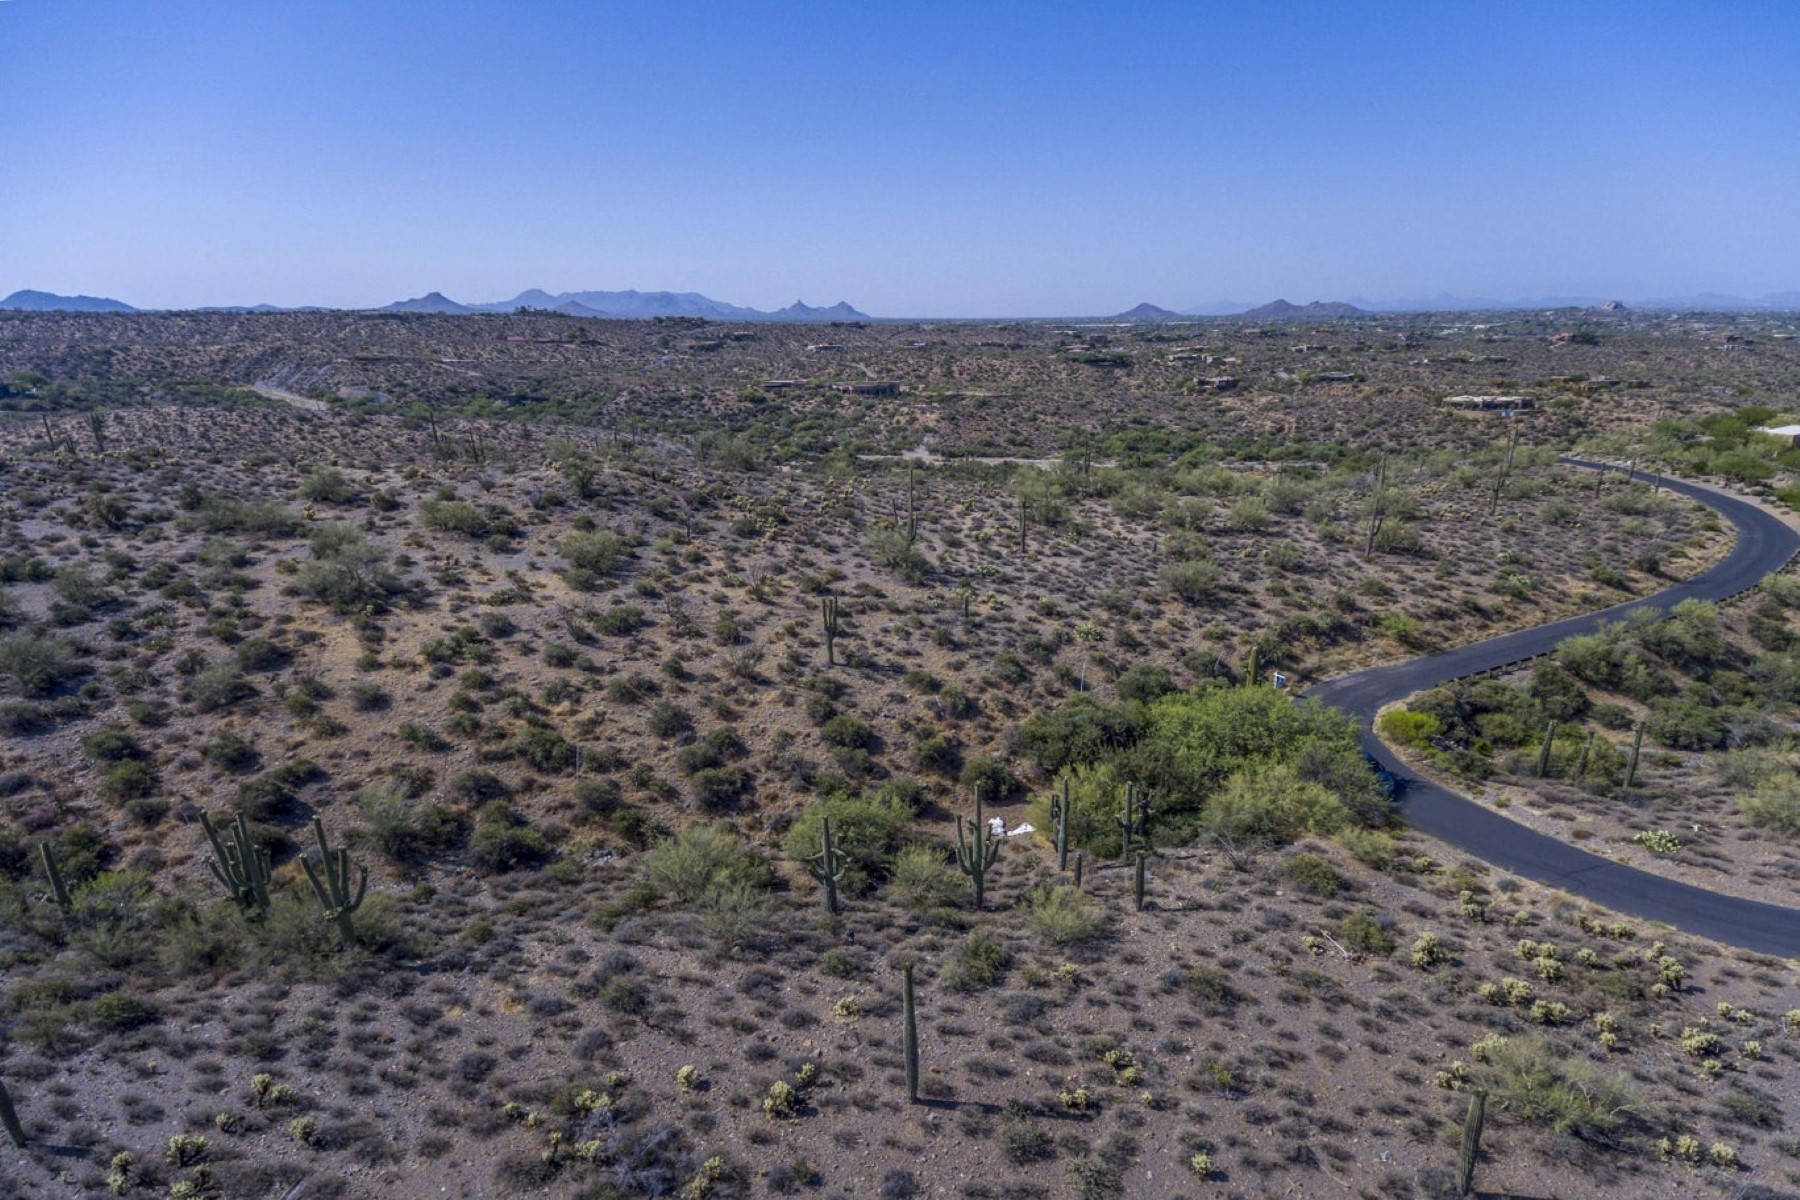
1134,819
58,890
912,512
827,866
331,884
1137,881
1543,762
1637,746
1471,1143
9,1117
911,1035
977,849
239,865
1059,817
828,620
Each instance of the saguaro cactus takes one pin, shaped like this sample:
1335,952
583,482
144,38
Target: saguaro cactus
331,884
1543,762
9,1117
1252,668
1637,746
58,891
1587,750
239,865
1134,819
828,619
912,512
977,849
1471,1143
1137,882
911,1035
1059,817
827,866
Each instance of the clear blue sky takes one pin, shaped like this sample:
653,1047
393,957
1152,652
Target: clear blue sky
965,158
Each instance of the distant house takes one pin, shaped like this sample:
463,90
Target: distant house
1787,433
1485,403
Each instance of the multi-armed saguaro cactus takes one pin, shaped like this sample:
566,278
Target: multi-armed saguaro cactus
58,890
239,865
911,1035
977,849
828,620
1134,819
827,866
331,884
1471,1143
9,1117
1059,818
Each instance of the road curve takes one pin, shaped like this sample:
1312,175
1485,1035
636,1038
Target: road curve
1765,544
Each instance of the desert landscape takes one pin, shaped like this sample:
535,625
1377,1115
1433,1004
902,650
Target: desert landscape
504,755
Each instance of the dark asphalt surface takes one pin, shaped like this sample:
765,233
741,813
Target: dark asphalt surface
1764,544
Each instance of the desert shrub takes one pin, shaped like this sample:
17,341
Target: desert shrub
1775,804
1063,915
33,665
1366,933
666,719
1408,728
270,795
346,570
119,1012
621,620
219,685
229,752
1314,874
987,777
455,516
852,733
1081,730
1686,725
504,841
888,546
701,860
260,654
1271,804
1194,581
717,788
593,554
126,780
111,746
979,962
922,879
545,749
406,832
865,829
262,517
1568,1094
1143,683
327,485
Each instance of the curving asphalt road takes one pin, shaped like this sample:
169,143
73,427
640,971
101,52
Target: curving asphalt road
1765,543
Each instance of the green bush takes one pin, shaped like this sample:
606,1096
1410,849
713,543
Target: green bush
270,795
979,962
1539,1083
1314,874
701,860
865,829
1775,804
327,485
545,749
1408,728
851,733
1365,933
987,777
1194,582
1263,805
111,745
127,780
1081,730
594,553
923,880
1063,915
33,665
504,841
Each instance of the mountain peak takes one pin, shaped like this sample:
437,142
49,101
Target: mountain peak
1147,312
27,300
431,302
1281,309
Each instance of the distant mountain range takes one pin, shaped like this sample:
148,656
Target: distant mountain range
630,305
